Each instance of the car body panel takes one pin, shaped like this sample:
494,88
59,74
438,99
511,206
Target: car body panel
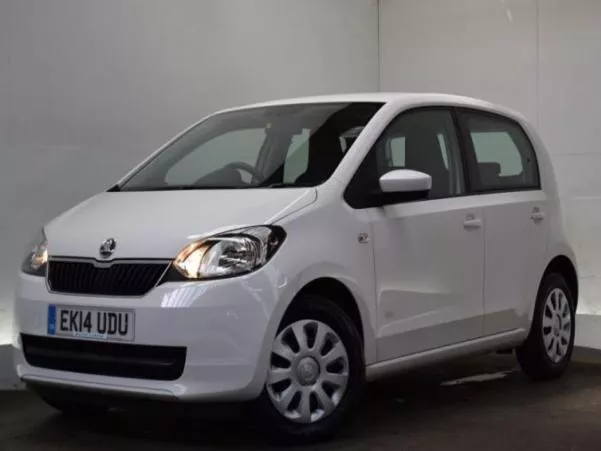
516,248
429,274
158,224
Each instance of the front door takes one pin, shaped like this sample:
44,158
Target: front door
429,253
429,266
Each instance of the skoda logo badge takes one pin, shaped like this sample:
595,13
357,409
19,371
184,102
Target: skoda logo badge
107,248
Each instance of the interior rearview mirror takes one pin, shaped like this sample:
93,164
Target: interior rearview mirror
405,181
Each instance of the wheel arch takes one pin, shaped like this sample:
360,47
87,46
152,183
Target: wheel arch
344,296
338,293
563,265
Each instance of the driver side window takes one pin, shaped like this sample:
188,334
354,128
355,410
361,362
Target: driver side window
240,145
424,140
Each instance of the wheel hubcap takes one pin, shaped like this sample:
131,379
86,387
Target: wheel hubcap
557,325
309,371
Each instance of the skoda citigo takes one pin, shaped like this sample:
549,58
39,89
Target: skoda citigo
285,253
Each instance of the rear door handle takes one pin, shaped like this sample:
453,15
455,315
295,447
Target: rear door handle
537,215
471,222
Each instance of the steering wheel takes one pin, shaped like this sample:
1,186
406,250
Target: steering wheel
248,168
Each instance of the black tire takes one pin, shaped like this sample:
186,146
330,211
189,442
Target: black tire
282,429
532,355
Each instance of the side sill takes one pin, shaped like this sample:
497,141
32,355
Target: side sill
479,345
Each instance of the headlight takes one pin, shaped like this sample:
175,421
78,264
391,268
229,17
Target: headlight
228,255
37,259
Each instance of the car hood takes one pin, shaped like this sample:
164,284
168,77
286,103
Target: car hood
158,224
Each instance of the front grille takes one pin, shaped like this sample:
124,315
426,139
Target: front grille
106,359
118,279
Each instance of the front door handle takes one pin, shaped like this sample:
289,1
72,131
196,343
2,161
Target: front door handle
471,222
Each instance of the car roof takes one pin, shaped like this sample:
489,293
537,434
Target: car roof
401,98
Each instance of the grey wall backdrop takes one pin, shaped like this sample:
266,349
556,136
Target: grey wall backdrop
89,87
541,57
4,145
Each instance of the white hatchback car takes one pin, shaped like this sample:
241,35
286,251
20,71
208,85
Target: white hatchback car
287,252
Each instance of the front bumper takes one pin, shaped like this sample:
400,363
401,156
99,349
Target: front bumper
225,326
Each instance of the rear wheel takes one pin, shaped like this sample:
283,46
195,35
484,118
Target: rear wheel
547,352
316,372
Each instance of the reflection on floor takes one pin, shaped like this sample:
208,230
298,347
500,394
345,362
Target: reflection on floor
473,404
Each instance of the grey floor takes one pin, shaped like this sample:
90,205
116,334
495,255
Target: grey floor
474,404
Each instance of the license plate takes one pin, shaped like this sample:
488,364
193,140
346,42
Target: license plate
91,323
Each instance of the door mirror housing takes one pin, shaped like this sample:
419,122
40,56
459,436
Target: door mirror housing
400,185
405,181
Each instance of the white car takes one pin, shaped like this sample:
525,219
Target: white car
285,253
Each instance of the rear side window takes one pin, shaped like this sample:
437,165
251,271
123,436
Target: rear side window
503,157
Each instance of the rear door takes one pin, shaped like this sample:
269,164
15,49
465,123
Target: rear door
502,168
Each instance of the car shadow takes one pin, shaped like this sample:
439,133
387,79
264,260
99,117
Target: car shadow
487,391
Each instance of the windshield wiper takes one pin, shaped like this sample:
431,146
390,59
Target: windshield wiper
183,187
281,185
202,187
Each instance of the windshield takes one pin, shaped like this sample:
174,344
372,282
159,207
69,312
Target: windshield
277,146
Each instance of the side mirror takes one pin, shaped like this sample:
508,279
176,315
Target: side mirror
405,181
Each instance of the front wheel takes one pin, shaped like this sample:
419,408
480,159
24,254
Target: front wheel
316,372
547,352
